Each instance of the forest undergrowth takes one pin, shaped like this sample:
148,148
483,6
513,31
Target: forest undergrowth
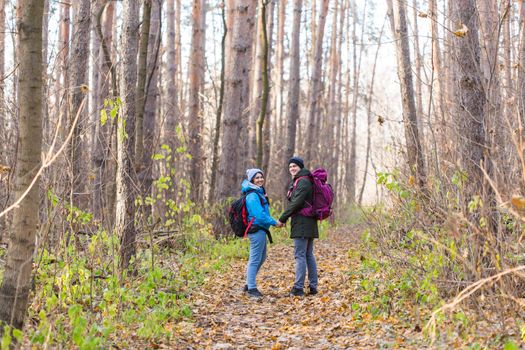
380,286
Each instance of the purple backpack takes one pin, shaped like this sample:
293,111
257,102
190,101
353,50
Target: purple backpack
323,195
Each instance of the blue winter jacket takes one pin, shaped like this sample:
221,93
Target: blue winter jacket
254,207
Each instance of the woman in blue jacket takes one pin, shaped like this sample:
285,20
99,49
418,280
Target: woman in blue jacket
257,207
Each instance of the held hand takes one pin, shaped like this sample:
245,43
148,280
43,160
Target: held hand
280,224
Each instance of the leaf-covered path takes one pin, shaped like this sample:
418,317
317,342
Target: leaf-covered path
225,318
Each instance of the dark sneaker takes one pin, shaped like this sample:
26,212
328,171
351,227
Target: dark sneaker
313,291
245,289
296,292
254,293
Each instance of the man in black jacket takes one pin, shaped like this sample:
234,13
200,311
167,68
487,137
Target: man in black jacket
304,226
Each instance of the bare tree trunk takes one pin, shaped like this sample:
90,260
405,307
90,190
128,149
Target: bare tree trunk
352,166
329,119
16,283
103,162
313,29
79,60
278,90
491,29
94,101
369,115
178,55
292,114
142,74
4,122
417,54
169,136
507,57
236,102
315,93
125,209
265,84
268,123
218,115
256,88
62,80
345,139
437,84
196,77
94,109
171,120
471,99
508,108
150,108
338,141
520,89
46,128
413,143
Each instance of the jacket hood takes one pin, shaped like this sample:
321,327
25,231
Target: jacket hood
247,186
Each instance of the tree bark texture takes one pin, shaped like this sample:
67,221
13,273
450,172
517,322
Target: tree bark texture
294,90
62,79
413,143
264,84
268,122
125,208
471,98
352,165
169,136
315,89
218,114
438,99
369,116
329,120
196,79
78,83
236,96
16,284
520,89
103,162
278,89
4,121
142,76
150,107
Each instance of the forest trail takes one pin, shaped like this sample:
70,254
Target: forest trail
225,318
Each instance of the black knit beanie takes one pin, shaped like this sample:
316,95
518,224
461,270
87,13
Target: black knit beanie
296,160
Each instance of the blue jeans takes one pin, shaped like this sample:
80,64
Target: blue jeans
305,260
257,256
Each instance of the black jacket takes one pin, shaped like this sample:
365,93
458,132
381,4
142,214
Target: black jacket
302,226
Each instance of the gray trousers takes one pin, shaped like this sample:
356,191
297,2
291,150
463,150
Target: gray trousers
305,260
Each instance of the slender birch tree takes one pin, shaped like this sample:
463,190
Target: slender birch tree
125,209
16,283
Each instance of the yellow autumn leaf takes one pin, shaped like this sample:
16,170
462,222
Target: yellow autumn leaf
461,32
277,346
518,202
411,180
422,14
4,169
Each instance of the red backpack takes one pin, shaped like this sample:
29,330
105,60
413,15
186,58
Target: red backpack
322,194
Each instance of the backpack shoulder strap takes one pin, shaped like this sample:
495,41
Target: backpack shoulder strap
299,178
258,195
